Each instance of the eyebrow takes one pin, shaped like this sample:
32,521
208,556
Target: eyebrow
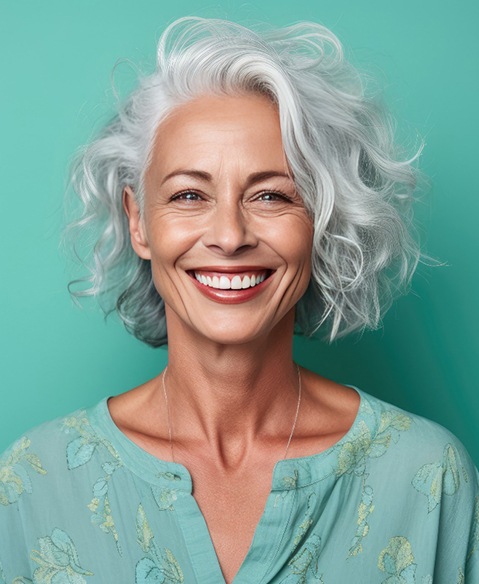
206,176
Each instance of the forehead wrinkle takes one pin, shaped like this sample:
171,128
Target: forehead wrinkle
208,129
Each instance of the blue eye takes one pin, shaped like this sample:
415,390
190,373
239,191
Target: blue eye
272,196
189,196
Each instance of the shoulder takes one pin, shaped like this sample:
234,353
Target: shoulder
429,437
423,449
47,436
422,479
44,451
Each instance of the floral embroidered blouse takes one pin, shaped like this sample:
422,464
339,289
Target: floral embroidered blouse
395,501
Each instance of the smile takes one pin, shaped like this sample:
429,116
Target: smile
228,285
230,281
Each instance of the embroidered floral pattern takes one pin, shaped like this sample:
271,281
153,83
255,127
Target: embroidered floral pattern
79,452
304,565
397,560
354,453
474,542
14,478
438,478
58,561
165,497
290,482
306,523
353,458
161,567
365,509
144,535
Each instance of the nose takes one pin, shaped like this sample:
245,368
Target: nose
229,230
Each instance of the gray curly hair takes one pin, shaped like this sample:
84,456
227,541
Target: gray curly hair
338,143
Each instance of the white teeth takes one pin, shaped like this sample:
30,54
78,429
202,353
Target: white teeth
236,282
246,282
225,284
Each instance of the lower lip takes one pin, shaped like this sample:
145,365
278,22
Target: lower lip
231,296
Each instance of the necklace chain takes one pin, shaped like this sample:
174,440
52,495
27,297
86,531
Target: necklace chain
298,403
170,432
167,403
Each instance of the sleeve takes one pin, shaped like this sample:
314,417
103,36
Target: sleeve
472,558
444,504
20,470
457,559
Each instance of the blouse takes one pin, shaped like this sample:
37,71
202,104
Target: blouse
395,501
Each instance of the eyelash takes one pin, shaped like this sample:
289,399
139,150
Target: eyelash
178,196
278,194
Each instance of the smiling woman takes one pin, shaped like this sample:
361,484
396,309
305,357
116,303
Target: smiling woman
247,189
218,202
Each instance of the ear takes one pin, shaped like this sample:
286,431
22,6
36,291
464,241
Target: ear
138,238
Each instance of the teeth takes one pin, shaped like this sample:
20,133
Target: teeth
225,284
236,283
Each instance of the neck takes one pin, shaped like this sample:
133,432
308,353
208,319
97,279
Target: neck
229,396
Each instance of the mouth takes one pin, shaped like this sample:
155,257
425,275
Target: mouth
231,286
231,281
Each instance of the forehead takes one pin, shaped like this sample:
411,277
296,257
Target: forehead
220,130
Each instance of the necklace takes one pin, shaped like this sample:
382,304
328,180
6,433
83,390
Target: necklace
170,432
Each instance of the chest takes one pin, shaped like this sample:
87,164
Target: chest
232,507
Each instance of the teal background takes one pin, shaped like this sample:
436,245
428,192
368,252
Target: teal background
56,63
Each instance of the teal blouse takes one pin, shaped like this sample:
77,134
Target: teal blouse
395,501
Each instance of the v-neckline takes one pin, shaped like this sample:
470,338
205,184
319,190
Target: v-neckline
287,476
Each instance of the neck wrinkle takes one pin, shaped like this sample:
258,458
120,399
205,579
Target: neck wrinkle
227,398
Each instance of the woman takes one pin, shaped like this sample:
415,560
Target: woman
248,187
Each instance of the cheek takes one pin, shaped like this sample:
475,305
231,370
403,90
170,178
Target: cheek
168,242
169,239
299,250
294,241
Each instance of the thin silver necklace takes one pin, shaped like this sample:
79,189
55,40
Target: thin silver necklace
170,432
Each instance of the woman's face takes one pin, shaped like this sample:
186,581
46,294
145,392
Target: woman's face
227,234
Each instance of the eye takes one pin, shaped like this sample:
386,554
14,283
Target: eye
273,196
187,196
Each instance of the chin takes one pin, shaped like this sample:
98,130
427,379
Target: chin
231,325
233,331
233,337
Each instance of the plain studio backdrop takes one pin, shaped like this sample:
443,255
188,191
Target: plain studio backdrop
57,60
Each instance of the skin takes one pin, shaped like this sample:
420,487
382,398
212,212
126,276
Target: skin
231,380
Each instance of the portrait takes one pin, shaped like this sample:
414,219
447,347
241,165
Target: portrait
240,322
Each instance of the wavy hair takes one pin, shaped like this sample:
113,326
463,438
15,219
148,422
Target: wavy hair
339,145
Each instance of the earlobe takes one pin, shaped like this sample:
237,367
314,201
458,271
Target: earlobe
138,239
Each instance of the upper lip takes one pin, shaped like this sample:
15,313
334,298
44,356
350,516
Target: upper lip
230,269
